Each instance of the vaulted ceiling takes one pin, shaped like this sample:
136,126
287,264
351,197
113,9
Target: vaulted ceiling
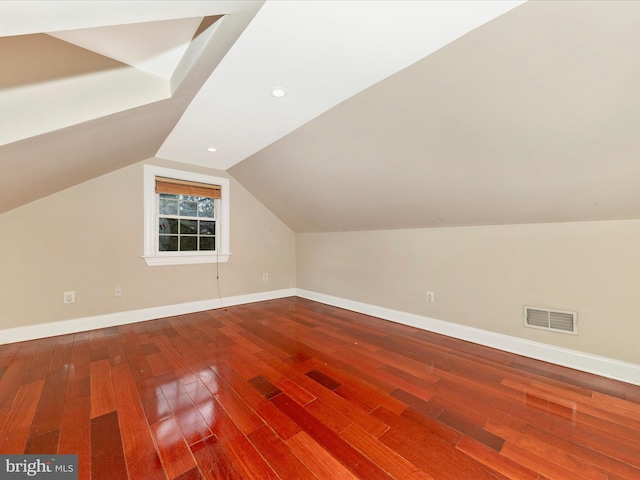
90,87
397,114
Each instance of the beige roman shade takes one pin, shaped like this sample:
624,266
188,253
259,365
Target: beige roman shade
185,187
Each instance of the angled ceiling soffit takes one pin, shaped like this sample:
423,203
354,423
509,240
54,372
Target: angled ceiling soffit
66,78
59,155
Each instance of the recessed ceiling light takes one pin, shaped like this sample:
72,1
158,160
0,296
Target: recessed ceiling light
212,149
278,92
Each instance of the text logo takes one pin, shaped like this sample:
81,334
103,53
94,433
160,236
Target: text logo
43,467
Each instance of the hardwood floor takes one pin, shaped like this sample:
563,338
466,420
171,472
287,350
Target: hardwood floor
294,389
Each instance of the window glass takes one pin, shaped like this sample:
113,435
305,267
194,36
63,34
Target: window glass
168,204
188,244
167,226
180,227
205,208
188,208
188,227
207,228
168,243
207,243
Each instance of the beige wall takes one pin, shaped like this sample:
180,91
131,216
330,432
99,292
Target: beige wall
483,276
89,238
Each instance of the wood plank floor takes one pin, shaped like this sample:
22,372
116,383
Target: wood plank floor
294,389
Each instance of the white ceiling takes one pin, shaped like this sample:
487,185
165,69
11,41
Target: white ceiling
322,52
470,112
69,114
530,118
155,47
22,17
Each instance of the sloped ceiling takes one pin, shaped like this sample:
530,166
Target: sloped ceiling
398,114
532,117
90,87
322,52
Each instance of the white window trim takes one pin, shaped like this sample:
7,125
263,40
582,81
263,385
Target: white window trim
151,256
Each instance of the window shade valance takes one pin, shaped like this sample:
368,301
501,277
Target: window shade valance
185,187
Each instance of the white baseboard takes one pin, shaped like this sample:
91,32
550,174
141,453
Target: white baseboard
64,327
603,366
606,367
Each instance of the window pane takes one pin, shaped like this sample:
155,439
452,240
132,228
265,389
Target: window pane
207,228
188,208
188,243
168,204
167,225
168,243
188,227
205,207
179,230
207,243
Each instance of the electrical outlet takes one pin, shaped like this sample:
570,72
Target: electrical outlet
117,292
265,277
69,297
431,297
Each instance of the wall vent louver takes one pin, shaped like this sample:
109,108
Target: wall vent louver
554,320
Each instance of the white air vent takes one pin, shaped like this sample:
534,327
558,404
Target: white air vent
555,320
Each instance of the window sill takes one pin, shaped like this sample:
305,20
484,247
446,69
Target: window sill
156,260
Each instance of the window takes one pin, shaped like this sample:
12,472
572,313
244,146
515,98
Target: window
186,217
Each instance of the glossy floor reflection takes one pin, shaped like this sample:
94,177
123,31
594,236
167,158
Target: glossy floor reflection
294,389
